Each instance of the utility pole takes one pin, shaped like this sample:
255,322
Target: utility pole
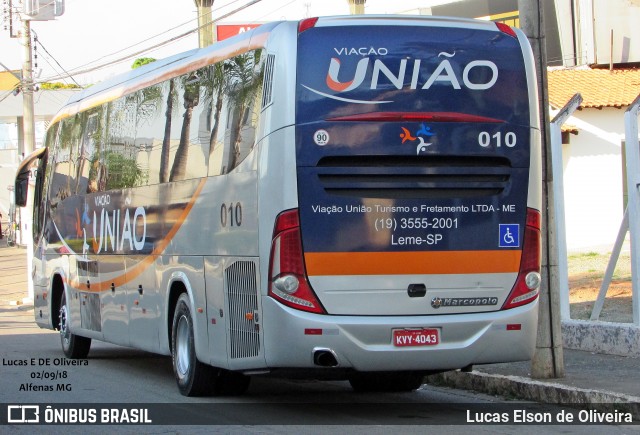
28,123
356,7
41,10
206,34
548,359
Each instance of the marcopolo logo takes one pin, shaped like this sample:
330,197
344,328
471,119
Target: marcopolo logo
444,73
463,302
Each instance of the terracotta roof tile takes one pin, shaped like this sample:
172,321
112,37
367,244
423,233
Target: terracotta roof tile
598,87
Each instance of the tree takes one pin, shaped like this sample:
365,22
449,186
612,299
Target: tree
47,86
123,172
245,83
166,141
142,61
216,81
191,99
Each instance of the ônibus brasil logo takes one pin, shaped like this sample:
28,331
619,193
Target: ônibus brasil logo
443,73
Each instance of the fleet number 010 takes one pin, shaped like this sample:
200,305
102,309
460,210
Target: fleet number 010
486,139
231,214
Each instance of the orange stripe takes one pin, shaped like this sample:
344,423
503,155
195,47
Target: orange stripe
140,267
411,263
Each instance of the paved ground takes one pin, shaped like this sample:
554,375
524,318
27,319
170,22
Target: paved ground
604,377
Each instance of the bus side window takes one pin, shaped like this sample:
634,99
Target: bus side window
243,85
77,124
121,169
199,137
61,181
43,175
218,117
86,154
155,116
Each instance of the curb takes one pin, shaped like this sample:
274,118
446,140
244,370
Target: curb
620,339
539,391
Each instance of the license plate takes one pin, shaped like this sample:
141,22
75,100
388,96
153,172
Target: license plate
416,337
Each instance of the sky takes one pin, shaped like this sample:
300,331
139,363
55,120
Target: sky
95,33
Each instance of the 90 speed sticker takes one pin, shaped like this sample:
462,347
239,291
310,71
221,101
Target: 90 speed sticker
321,137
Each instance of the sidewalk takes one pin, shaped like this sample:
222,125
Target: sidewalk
605,376
13,275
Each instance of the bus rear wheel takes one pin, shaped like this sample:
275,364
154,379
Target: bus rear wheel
385,381
193,377
73,345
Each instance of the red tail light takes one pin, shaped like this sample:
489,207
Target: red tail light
306,24
527,284
504,28
288,282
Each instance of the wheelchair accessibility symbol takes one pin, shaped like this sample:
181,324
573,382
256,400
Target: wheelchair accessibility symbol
509,236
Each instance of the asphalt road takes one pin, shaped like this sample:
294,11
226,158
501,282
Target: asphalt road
32,361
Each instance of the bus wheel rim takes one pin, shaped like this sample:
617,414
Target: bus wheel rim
64,327
182,347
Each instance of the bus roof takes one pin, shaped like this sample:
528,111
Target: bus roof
406,20
164,69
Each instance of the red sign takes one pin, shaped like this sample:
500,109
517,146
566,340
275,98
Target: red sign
224,31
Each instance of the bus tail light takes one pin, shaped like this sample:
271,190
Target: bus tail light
288,282
306,24
527,284
506,29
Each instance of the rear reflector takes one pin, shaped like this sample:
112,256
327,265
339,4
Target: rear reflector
310,331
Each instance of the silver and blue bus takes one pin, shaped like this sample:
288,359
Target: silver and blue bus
353,196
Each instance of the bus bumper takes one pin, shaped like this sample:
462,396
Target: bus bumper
365,343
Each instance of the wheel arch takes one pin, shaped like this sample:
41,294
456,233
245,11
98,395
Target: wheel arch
177,285
58,286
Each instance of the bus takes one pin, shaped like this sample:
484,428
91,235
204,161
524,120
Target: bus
356,197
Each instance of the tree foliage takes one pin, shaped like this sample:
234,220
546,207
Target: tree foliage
142,61
57,85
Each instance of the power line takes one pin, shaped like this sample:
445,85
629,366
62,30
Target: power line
37,40
76,71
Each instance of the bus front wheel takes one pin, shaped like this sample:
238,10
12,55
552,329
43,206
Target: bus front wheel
73,345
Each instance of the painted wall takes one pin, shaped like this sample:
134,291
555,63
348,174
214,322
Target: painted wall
593,179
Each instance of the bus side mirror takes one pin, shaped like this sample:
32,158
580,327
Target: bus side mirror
21,188
22,176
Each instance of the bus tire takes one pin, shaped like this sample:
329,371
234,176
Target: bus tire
73,345
193,377
385,381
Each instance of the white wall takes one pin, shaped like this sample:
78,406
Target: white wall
593,179
8,167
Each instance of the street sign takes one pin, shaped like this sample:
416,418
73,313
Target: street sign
224,31
42,10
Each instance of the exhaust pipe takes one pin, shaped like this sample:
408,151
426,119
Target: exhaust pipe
325,357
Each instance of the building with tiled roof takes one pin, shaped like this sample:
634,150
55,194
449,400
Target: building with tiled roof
599,87
593,158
